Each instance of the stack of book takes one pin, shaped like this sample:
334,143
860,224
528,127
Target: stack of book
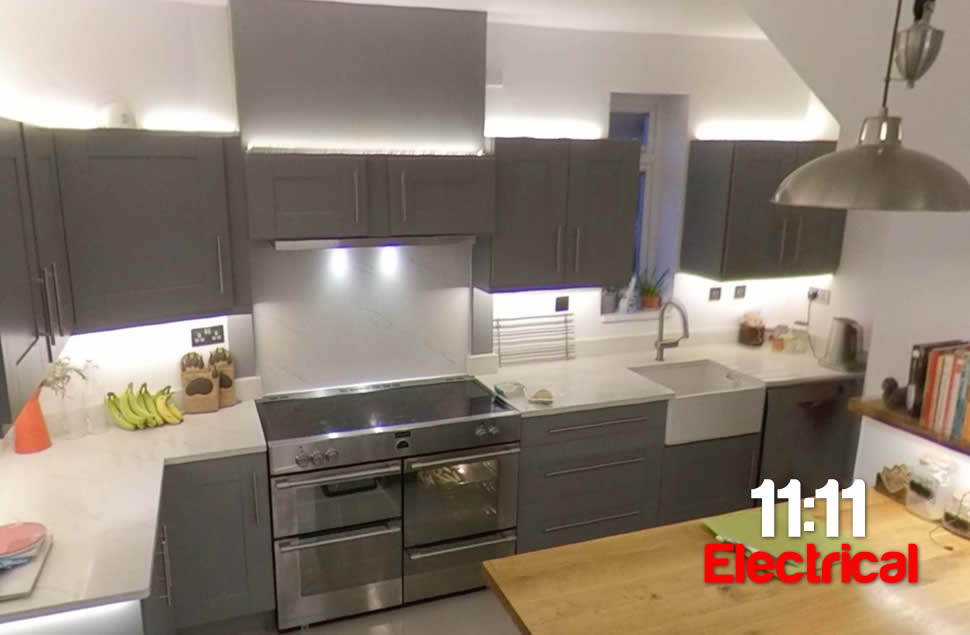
939,387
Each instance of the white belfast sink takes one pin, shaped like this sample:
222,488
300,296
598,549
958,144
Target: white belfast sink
710,401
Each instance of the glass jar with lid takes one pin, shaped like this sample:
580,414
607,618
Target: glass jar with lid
956,514
930,487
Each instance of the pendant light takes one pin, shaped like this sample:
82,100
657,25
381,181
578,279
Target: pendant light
879,173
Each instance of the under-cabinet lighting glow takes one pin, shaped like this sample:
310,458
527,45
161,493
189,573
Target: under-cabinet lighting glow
543,128
817,123
49,112
388,260
186,120
356,146
339,263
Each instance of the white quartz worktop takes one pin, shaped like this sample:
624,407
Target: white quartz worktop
606,380
99,496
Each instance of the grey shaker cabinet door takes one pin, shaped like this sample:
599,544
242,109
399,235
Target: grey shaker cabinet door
602,211
24,350
706,207
147,226
156,610
441,195
216,516
528,248
818,231
810,435
708,478
760,234
307,196
48,217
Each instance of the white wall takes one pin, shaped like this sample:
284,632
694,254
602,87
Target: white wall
903,274
564,78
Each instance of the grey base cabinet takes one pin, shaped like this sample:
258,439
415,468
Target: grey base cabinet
732,230
157,615
216,523
147,226
810,435
589,474
708,478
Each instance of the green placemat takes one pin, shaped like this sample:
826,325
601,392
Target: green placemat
745,527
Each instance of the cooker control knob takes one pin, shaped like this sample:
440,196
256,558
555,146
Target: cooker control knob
331,455
493,430
317,459
481,431
302,460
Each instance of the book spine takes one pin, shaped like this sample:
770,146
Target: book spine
965,431
957,429
956,379
943,392
929,391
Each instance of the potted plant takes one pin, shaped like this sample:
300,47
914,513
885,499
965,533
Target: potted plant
651,288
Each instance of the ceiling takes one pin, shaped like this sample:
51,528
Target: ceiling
720,18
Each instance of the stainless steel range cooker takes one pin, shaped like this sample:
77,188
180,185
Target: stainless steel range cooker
387,493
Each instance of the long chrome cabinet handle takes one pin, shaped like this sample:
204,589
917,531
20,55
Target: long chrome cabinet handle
325,480
259,520
334,541
590,426
594,521
420,555
463,459
579,236
356,196
222,281
559,249
57,299
598,466
166,566
784,237
51,309
404,196
46,328
798,240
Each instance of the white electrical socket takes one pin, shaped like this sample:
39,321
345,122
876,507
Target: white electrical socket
822,296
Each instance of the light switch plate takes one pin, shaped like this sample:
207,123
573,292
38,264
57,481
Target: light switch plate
740,291
208,335
714,294
562,303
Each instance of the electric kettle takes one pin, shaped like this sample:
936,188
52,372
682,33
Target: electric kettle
844,348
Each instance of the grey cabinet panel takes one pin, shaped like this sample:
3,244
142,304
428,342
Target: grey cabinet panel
48,221
528,248
759,233
24,351
708,478
705,207
810,435
156,610
441,195
818,231
629,424
238,225
216,516
147,226
307,196
602,211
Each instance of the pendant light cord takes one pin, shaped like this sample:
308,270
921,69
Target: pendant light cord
892,53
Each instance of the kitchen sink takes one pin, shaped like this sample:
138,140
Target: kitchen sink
710,401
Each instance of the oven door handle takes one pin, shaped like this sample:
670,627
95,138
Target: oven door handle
343,478
414,467
420,555
392,529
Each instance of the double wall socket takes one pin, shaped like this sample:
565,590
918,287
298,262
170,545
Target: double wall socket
822,296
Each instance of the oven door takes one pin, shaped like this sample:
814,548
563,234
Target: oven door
329,499
452,566
336,574
460,494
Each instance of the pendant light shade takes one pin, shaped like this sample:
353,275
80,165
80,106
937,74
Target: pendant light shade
877,174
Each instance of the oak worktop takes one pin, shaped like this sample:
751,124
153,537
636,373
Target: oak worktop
652,581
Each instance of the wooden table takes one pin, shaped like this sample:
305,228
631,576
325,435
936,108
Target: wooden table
652,581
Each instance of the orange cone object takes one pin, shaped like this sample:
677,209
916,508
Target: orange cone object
30,429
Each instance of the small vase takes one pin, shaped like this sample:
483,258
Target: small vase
30,429
650,301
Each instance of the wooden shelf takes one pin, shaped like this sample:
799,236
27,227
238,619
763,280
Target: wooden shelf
874,408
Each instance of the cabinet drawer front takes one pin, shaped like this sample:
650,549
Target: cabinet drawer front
452,566
642,423
608,522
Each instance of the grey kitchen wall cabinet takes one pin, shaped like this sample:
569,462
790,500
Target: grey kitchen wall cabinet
441,195
810,435
48,219
602,211
531,189
565,215
147,226
307,196
731,228
216,520
589,474
24,325
707,478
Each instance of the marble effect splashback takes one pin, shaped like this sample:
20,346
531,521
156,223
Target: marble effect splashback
328,317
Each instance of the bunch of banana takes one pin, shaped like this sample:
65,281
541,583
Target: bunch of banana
139,410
